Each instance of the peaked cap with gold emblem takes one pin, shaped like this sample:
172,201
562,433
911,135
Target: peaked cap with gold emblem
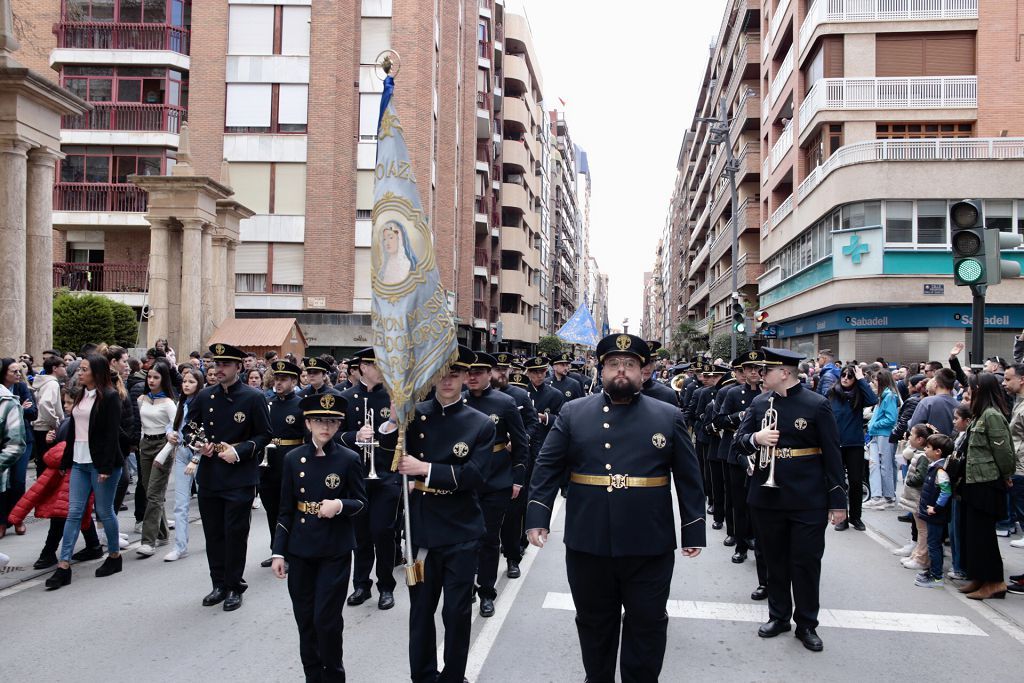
227,352
623,343
324,406
283,367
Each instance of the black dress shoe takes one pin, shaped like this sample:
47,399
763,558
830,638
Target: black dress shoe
716,525
486,607
729,541
358,597
45,562
842,526
386,600
858,525
810,639
267,562
906,517
773,628
232,601
111,565
59,578
214,597
739,557
760,593
513,570
86,554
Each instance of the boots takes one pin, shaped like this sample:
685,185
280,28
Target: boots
989,590
970,586
59,578
111,565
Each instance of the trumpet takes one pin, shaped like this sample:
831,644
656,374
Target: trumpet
766,454
266,455
369,447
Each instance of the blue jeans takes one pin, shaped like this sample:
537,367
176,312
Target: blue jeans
182,495
935,548
85,480
882,467
954,534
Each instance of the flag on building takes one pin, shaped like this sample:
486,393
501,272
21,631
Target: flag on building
580,328
413,333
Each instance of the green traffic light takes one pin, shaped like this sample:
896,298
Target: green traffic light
969,270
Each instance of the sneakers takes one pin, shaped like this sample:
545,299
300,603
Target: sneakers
905,550
138,527
170,524
1019,543
955,575
1003,532
1017,588
912,564
887,504
874,503
174,555
146,550
4,560
928,581
122,543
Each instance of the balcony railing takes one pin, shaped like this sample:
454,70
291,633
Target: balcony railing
779,81
101,197
783,210
833,11
164,118
938,92
781,146
776,22
935,149
103,36
100,277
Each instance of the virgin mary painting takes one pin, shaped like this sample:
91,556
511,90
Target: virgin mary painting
397,257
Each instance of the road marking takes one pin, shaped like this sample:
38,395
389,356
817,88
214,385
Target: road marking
488,634
829,618
17,588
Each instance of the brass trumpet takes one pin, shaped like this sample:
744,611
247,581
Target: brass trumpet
369,447
766,454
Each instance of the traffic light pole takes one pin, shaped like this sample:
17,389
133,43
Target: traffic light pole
978,326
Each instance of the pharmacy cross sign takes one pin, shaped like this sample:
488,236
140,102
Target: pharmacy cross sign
855,249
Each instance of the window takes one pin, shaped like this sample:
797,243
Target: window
288,268
292,108
251,30
910,131
999,214
266,108
109,164
251,267
1020,216
364,192
861,214
374,38
899,222
251,183
931,221
289,189
369,113
270,188
295,30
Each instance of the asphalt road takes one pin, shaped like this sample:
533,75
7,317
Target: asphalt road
147,622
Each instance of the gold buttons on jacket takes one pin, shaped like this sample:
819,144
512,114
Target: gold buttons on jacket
605,409
607,445
610,489
302,520
302,474
608,466
606,425
302,490
302,460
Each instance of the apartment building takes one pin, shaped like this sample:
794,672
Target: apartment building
876,115
264,86
565,257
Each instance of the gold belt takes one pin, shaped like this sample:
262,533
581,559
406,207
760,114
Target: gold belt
420,486
498,448
617,481
310,508
796,452
286,442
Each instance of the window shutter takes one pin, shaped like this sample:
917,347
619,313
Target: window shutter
251,257
369,112
949,55
899,56
364,190
295,30
374,38
292,104
288,260
833,46
290,189
251,30
248,105
251,183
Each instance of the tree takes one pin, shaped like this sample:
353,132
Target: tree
550,344
721,346
126,324
687,340
81,318
662,353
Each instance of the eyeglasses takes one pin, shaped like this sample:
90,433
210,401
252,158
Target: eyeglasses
620,363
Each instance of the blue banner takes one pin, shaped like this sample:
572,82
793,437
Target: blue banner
580,328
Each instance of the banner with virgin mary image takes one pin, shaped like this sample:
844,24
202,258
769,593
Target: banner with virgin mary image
413,333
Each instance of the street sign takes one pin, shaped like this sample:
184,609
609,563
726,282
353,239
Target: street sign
935,290
770,332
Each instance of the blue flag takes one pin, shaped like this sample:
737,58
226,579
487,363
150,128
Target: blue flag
413,333
580,328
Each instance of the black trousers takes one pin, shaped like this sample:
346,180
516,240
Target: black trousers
226,516
981,506
512,530
601,588
375,535
853,460
140,496
705,471
447,570
792,543
493,505
737,494
723,510
39,448
56,532
317,588
270,494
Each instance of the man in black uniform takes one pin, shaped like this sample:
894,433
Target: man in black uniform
513,533
323,490
717,373
236,424
808,492
449,446
547,400
504,475
620,448
287,430
700,437
375,531
652,387
576,372
317,371
560,380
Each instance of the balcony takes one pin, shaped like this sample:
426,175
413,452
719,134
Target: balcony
776,22
841,11
938,92
162,118
779,81
517,71
938,149
783,210
99,197
100,277
781,148
514,196
517,327
104,36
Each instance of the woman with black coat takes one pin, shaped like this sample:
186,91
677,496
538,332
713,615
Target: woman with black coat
92,453
849,397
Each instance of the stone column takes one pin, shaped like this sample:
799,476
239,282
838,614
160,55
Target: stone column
229,270
158,326
206,310
219,290
191,285
39,252
13,181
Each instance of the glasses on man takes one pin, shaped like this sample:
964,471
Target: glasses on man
621,363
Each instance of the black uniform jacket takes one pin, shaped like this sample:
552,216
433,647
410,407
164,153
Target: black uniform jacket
379,403
735,400
529,415
238,416
458,442
507,464
286,424
324,389
705,422
312,478
584,380
568,387
546,399
694,410
657,390
644,438
807,482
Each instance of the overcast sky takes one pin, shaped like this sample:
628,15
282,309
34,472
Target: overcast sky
629,74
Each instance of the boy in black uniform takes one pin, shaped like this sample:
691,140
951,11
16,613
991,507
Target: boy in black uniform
375,531
236,424
546,399
449,445
576,372
287,431
560,380
620,448
322,489
809,491
505,474
318,373
652,387
716,465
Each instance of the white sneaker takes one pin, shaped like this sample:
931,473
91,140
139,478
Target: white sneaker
255,503
124,537
170,524
138,527
122,543
1003,532
1019,543
905,550
146,550
4,559
887,504
175,555
912,564
874,503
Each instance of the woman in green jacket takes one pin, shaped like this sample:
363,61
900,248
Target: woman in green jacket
989,464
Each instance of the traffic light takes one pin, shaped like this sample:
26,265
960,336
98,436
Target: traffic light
997,267
967,222
739,324
494,332
761,320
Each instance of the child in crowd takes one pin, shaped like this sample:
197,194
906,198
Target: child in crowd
936,494
918,469
961,421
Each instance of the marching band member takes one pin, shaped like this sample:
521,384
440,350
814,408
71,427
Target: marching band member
287,432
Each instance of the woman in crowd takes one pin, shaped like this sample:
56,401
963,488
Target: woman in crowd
881,453
849,396
93,454
987,469
70,358
162,345
128,435
12,377
156,411
184,467
211,375
254,378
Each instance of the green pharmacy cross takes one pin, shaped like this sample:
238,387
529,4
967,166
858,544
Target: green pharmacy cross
855,249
